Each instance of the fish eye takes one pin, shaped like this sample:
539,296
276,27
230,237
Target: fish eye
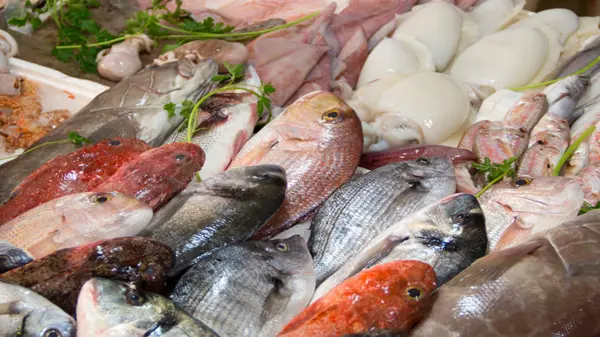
282,247
414,292
181,157
331,115
521,182
114,142
459,217
133,297
101,198
423,160
52,333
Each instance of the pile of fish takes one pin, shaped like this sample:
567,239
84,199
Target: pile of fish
297,229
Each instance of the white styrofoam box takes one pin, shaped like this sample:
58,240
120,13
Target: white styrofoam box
55,89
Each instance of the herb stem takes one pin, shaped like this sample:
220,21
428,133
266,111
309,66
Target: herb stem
37,147
571,149
492,183
98,44
543,84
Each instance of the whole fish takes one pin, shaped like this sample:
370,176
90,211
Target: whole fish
373,160
550,137
225,209
157,175
74,220
133,108
60,275
318,141
394,295
75,172
226,122
12,257
448,235
25,313
249,289
112,309
517,208
545,286
363,208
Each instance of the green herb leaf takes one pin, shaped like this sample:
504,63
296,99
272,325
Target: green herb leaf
493,171
170,108
587,207
77,139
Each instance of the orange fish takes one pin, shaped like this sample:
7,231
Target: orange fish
393,297
318,140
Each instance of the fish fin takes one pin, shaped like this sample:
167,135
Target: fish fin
516,232
11,308
491,267
276,301
376,253
255,149
314,313
121,127
576,244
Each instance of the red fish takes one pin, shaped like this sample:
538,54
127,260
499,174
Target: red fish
75,172
60,275
393,296
157,175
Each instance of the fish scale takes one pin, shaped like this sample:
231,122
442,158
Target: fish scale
360,210
318,141
210,290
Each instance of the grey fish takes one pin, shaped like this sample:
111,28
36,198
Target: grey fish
580,60
12,257
545,286
133,108
249,289
24,313
361,209
225,209
107,308
449,235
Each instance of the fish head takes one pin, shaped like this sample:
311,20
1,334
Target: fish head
261,182
323,115
139,260
538,201
104,215
455,230
182,79
288,256
110,308
48,322
12,256
430,173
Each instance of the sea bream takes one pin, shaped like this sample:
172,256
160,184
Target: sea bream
75,172
107,308
544,286
133,108
449,235
517,208
318,141
74,220
249,289
220,211
361,209
226,121
27,314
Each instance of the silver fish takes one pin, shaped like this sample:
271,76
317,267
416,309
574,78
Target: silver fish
449,235
249,289
133,108
545,286
27,314
226,122
107,308
361,209
225,209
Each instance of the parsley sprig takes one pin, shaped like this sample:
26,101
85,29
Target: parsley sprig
495,172
73,138
587,207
